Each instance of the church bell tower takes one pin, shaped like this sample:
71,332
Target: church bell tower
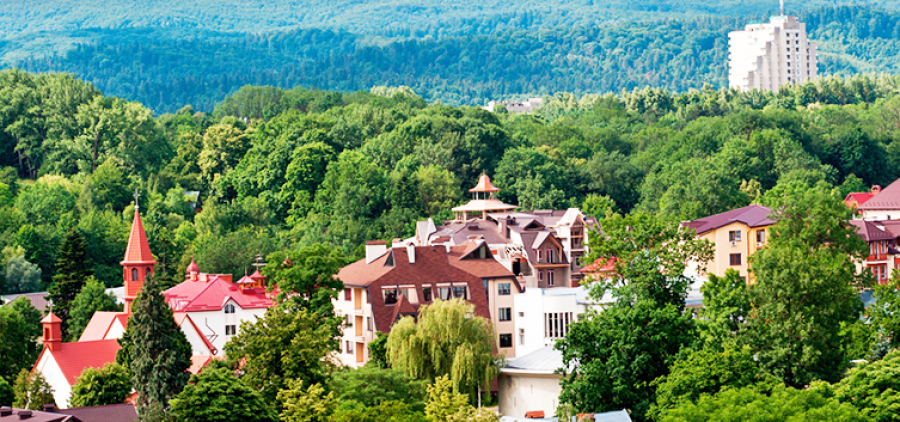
138,263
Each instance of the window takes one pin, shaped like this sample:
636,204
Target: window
503,289
540,275
369,323
147,274
550,278
556,324
348,295
761,236
734,236
789,56
229,308
521,336
789,70
460,292
134,274
505,314
539,255
349,347
230,330
443,293
505,341
735,259
390,296
426,294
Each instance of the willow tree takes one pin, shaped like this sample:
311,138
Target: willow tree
446,341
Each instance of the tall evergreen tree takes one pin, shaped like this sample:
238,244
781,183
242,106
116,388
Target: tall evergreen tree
71,272
158,353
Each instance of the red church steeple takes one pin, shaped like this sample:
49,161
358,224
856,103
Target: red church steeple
139,262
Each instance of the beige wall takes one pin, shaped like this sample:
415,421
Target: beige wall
723,248
360,312
520,393
497,301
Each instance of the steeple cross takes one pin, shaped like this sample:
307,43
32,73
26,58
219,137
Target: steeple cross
136,196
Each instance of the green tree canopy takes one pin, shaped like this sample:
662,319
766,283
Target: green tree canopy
92,298
32,391
110,384
218,395
72,272
20,329
310,404
371,385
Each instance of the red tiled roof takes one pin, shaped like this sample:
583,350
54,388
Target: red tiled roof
198,362
193,267
73,358
138,251
601,265
887,199
211,295
752,216
50,318
100,324
859,197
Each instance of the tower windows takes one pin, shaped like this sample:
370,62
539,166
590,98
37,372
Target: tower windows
134,274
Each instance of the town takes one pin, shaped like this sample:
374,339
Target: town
305,255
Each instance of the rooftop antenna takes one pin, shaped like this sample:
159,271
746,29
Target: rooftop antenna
782,7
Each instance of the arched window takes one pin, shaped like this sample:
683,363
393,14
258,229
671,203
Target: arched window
134,274
147,274
229,308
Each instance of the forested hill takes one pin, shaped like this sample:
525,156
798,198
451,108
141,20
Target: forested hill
677,54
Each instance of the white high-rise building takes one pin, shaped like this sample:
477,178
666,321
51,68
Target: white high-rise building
766,56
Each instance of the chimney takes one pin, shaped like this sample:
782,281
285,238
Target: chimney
374,250
49,407
411,251
24,414
52,332
396,243
876,189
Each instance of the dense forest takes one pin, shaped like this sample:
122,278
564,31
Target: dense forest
297,167
469,61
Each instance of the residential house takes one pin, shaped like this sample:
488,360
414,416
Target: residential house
881,237
544,316
529,385
735,236
884,205
855,199
391,283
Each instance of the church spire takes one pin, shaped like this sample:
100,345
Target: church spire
138,263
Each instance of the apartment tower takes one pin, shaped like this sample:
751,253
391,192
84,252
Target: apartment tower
766,56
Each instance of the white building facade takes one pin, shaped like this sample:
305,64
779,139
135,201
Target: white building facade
766,56
544,316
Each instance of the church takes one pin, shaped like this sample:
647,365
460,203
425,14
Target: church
207,307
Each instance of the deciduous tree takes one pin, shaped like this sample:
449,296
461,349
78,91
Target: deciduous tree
110,384
32,391
92,298
218,395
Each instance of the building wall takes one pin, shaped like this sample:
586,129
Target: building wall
48,367
212,323
531,316
496,302
520,393
724,248
359,314
768,55
879,215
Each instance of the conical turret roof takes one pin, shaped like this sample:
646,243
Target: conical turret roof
484,185
138,251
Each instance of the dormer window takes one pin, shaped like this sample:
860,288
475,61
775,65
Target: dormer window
229,308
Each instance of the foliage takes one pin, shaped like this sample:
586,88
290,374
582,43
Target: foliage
725,306
32,391
20,329
622,349
72,272
446,404
446,340
386,411
885,313
110,384
7,396
378,351
157,353
804,289
764,404
217,395
306,276
22,276
873,388
305,405
288,343
92,298
371,385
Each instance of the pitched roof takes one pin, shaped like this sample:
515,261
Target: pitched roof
198,362
869,231
403,308
74,357
859,197
484,185
12,414
751,215
887,199
138,250
38,300
211,295
109,413
460,232
100,324
182,317
462,257
545,360
50,318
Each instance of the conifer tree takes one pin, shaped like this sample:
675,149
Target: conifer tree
158,353
72,271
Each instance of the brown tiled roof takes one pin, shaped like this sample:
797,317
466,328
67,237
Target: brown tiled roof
38,300
110,413
432,266
752,216
11,414
480,267
887,199
460,232
869,231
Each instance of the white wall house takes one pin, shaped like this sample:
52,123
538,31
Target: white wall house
544,316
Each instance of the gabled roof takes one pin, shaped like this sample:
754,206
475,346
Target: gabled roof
403,308
181,318
198,362
138,251
211,295
38,300
73,358
109,413
463,257
887,199
751,215
869,231
859,197
100,324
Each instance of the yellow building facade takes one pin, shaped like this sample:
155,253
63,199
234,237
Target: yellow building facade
735,235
